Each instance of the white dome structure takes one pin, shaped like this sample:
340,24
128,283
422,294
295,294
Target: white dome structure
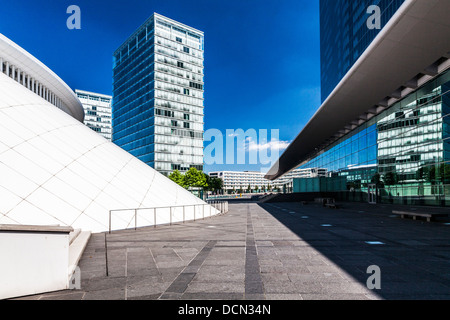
56,171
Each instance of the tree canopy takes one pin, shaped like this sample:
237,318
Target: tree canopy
196,179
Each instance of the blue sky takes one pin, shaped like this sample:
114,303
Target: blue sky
262,58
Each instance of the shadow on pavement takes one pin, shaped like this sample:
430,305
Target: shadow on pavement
413,256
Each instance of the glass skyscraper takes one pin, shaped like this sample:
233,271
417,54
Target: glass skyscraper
158,95
344,35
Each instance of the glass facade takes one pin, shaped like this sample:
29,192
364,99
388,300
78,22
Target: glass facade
158,95
345,35
404,151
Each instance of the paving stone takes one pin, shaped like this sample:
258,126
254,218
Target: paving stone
259,251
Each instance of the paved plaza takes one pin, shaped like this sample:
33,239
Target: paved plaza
271,251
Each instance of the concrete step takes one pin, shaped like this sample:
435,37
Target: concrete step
76,249
73,235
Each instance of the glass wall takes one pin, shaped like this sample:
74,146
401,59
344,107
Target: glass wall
404,151
344,35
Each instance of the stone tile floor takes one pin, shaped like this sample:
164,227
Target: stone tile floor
278,251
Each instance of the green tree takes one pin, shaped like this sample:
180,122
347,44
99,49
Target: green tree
376,179
215,184
390,178
430,174
195,178
178,178
420,173
249,189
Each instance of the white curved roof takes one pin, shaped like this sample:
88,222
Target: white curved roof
27,63
412,48
56,171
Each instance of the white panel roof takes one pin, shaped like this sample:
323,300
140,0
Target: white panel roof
23,60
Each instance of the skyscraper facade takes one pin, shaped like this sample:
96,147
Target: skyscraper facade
158,95
344,35
97,110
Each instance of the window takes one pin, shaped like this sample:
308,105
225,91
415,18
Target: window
174,123
185,49
186,116
168,113
186,125
196,85
186,91
179,39
180,64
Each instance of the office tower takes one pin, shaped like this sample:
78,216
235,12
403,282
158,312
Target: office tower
158,95
97,110
344,35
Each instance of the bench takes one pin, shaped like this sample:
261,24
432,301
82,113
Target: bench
324,201
429,216
331,205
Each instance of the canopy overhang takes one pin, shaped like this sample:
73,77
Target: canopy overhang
411,49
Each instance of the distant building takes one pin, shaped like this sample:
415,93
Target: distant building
285,183
236,180
97,109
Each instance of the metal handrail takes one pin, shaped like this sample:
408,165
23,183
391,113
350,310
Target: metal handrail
222,206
